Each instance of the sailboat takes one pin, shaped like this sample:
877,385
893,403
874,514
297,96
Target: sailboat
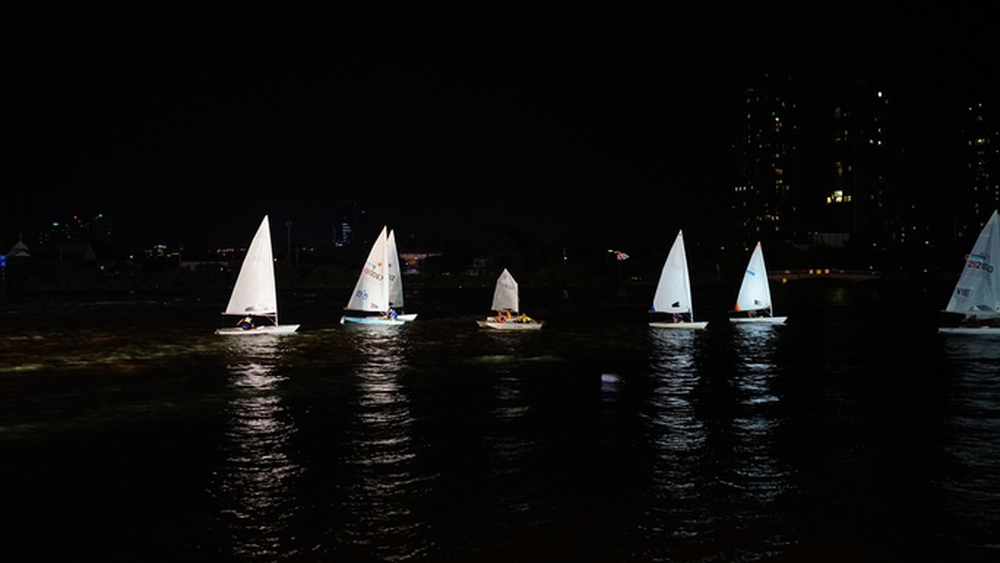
753,302
673,291
977,292
506,303
254,295
379,288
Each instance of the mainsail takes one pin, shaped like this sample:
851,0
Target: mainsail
978,289
371,293
254,293
673,291
755,291
505,294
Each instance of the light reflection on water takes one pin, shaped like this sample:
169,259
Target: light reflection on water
974,429
678,437
759,477
713,434
382,451
256,482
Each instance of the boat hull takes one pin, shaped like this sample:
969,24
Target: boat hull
509,325
267,329
377,321
758,320
682,325
978,331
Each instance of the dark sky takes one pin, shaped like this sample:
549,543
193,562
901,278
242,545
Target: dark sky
187,123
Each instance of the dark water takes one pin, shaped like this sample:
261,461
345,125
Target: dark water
128,431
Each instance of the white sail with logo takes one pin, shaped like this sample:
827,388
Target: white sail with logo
371,292
379,289
977,292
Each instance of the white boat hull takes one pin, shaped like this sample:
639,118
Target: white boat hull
266,329
510,325
976,330
378,321
761,320
681,325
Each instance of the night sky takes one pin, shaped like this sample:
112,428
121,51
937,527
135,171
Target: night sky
188,123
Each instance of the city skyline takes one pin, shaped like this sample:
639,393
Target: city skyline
191,125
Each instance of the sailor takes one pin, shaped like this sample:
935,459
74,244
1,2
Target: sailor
246,323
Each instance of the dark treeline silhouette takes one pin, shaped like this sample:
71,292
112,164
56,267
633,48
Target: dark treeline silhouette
470,258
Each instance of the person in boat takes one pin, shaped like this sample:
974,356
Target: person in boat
971,321
391,314
246,323
681,317
524,319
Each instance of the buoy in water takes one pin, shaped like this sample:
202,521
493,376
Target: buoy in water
610,378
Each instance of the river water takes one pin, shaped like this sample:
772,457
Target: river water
130,432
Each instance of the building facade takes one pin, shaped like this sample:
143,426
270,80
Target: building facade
864,162
763,199
980,184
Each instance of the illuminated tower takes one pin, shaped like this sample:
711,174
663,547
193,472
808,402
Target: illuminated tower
762,202
864,185
981,162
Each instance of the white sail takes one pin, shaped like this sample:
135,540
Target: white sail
978,289
371,293
505,294
254,292
395,273
673,291
755,291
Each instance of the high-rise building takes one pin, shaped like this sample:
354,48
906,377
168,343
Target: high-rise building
768,163
980,193
864,184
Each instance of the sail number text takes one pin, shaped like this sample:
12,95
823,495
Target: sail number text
979,265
